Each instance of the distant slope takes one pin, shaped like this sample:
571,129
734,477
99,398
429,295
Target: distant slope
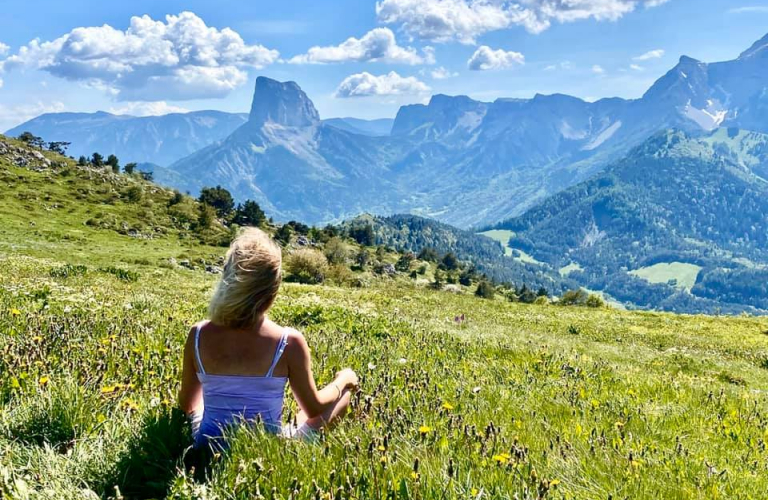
152,139
413,233
374,128
675,199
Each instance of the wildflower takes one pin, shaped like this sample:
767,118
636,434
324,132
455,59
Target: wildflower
44,380
108,389
381,448
476,389
371,366
415,476
15,312
447,406
473,492
501,458
130,405
554,482
424,430
383,459
37,338
402,361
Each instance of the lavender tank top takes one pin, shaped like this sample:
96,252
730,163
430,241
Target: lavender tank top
230,399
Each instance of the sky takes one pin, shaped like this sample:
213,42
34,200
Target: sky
360,58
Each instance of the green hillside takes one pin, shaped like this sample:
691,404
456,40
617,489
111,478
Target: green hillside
678,203
516,401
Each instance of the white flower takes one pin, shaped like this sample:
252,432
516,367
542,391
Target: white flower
402,361
371,366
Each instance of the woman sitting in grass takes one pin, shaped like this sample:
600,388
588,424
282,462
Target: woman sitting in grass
237,364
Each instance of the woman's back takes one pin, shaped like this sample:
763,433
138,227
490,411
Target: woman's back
243,376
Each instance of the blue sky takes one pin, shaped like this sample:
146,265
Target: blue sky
91,55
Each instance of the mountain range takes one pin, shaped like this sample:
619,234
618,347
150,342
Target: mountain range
462,161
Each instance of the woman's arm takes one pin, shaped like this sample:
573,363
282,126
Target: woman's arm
191,394
312,401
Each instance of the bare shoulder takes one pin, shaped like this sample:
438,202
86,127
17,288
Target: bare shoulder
296,344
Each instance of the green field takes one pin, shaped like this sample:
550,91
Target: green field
502,236
566,270
684,273
517,402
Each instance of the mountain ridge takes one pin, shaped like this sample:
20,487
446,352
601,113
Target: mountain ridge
465,162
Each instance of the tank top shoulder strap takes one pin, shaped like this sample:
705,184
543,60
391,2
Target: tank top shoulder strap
278,353
197,346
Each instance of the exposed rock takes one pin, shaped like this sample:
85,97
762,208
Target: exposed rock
186,263
213,269
303,241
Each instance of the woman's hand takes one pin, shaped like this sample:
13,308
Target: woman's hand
349,378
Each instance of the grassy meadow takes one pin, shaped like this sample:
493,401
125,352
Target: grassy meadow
515,402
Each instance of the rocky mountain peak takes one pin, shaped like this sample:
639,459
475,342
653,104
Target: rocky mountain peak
759,49
283,103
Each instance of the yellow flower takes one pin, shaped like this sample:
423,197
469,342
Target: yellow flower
130,405
501,458
15,312
473,492
37,338
44,380
381,448
447,406
415,475
108,389
383,459
425,429
554,482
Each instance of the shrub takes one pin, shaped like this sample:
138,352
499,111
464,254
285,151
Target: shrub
340,274
595,301
175,199
404,262
485,290
121,274
336,251
449,262
205,216
283,234
574,298
428,254
134,194
363,258
541,301
68,270
307,266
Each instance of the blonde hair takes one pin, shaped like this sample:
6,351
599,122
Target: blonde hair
250,281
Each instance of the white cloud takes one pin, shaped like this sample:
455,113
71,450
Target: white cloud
4,49
180,58
1,83
155,108
749,10
10,116
366,84
598,70
379,44
636,67
651,54
441,73
566,65
465,20
486,58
